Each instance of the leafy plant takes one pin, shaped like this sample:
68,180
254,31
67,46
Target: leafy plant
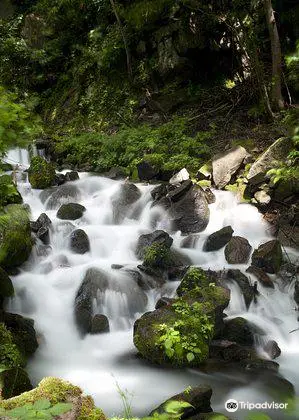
40,409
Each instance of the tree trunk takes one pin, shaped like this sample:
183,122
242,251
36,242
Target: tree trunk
276,95
128,54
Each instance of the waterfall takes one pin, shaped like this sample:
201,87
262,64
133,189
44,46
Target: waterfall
46,287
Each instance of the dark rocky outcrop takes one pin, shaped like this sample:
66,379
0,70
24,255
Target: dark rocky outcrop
123,199
99,324
219,239
70,211
79,242
262,277
226,164
198,397
237,251
268,257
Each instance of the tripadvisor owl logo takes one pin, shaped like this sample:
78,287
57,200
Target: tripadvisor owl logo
231,405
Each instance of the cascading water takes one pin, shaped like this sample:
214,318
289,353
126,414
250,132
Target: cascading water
46,287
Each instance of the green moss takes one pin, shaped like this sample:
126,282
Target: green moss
195,277
89,411
8,191
157,255
41,173
10,356
15,236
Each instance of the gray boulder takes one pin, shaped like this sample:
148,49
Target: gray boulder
79,241
237,251
70,211
227,164
262,277
268,257
123,199
219,239
99,324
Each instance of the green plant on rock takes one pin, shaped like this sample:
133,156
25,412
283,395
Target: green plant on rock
40,409
10,355
8,191
157,255
41,173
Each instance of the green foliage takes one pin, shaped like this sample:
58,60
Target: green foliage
157,255
17,124
167,147
40,409
144,12
8,191
10,355
186,337
41,173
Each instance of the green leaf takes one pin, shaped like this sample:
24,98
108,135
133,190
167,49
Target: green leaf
60,408
42,404
168,343
175,407
17,412
190,356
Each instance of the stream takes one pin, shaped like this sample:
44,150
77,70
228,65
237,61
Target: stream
47,284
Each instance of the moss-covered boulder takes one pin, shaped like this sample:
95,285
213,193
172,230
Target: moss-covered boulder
14,381
6,286
268,257
179,334
41,173
15,236
56,391
238,330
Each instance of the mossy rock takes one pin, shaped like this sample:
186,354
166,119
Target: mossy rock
5,167
8,191
177,335
160,256
13,382
10,355
194,278
56,390
6,286
41,173
268,256
15,236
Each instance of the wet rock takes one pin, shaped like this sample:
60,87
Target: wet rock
238,330
296,292
61,195
123,199
42,228
278,151
159,191
227,164
198,397
210,196
145,241
70,211
116,266
179,192
237,251
260,365
288,272
230,351
189,241
59,179
79,242
99,324
164,301
219,239
116,173
243,283
71,176
23,332
268,257
41,173
181,176
14,381
146,171
191,213
272,348
262,277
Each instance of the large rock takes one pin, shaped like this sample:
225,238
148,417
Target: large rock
219,239
42,228
262,277
226,164
71,176
15,236
198,397
175,194
268,257
158,237
70,211
230,351
79,241
8,191
238,330
123,199
63,194
99,324
14,381
237,251
190,214
41,173
182,175
242,281
278,151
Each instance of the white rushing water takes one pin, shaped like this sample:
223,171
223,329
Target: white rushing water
47,285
